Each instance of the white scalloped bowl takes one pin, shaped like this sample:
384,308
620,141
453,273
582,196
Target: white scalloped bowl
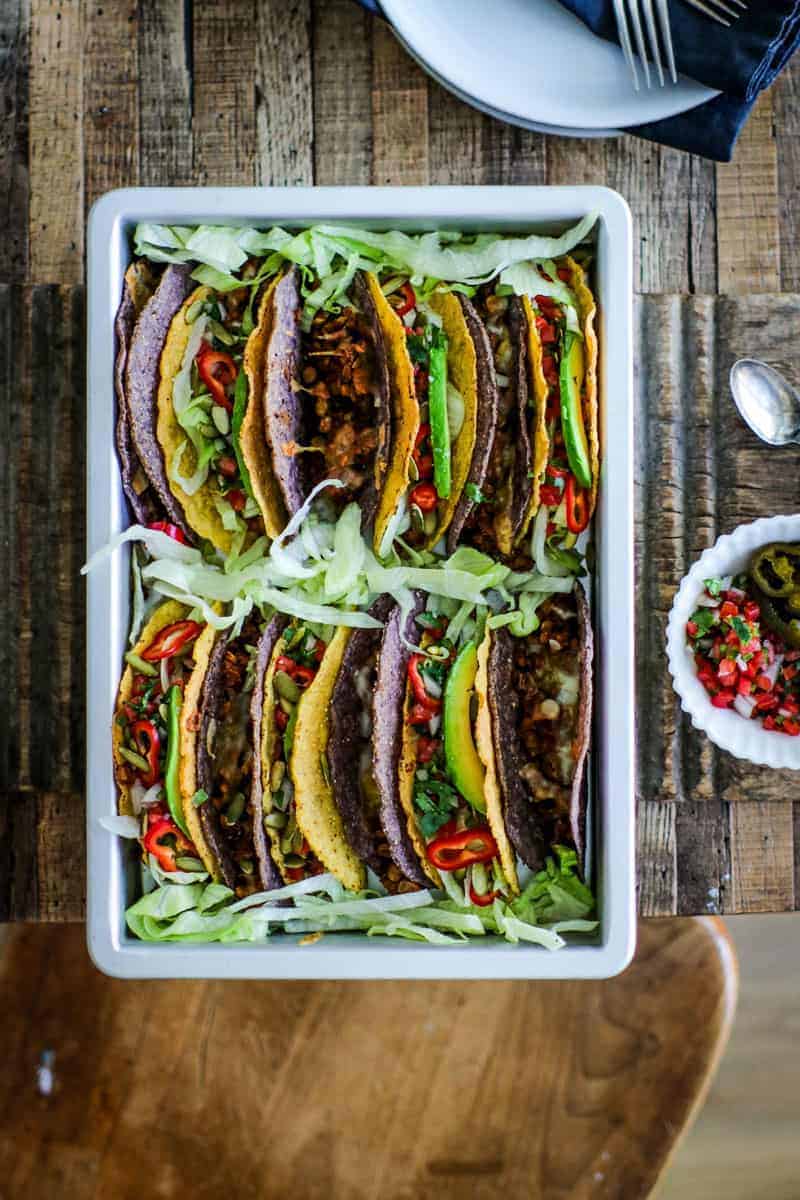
727,729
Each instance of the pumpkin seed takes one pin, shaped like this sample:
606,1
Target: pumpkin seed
276,820
221,419
417,518
285,686
276,775
189,864
235,808
136,760
413,471
246,865
193,311
140,665
293,860
221,333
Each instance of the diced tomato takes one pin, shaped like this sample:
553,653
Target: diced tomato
691,628
791,705
744,686
236,499
752,611
789,673
723,699
764,682
732,639
550,496
727,671
281,718
766,703
728,609
564,275
770,723
791,727
426,748
547,332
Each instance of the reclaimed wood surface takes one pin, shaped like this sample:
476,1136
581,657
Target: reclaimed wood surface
300,91
431,1089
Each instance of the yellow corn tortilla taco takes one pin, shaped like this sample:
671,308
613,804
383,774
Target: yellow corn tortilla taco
252,434
318,817
187,771
587,311
484,743
538,396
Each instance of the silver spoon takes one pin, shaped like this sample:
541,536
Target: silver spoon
766,401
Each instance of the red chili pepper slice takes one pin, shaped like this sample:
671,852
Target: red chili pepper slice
451,851
426,748
557,472
547,331
423,459
173,531
303,676
550,495
482,899
421,693
420,714
425,496
236,499
171,639
577,506
409,300
148,744
155,842
564,275
217,371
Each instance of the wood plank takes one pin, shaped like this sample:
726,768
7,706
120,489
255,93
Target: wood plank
342,98
762,856
671,195
748,241
656,854
110,98
224,74
574,1089
14,451
786,102
56,150
165,93
703,833
14,67
401,151
456,139
284,95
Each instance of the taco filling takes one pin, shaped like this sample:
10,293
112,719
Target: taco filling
295,663
225,759
497,520
441,772
540,698
209,402
147,742
563,379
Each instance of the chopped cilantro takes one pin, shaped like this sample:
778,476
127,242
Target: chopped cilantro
741,629
713,587
199,797
474,493
436,801
704,618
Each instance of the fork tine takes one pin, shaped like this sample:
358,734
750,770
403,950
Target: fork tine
709,12
725,7
666,33
652,35
625,40
633,7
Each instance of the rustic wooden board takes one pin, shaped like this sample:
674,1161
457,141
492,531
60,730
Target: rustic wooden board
430,1089
166,92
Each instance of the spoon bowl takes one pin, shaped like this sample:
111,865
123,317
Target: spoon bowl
766,401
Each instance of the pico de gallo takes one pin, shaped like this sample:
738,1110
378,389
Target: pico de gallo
565,491
148,751
296,663
210,396
742,663
448,796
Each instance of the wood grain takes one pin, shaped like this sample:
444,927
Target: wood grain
564,1090
223,93
284,96
165,52
342,99
786,105
111,98
14,196
748,231
400,147
56,150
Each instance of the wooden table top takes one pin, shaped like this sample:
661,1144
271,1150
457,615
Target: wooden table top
299,92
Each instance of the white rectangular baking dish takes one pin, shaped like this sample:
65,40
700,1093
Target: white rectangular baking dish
347,956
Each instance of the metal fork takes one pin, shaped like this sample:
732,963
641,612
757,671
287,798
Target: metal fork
658,33
716,8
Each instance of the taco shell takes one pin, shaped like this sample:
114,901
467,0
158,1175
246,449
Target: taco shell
187,771
317,814
252,435
405,409
541,442
486,753
587,311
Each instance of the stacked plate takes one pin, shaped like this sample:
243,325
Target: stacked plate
532,63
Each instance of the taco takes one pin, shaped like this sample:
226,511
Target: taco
536,706
191,444
363,748
149,736
225,813
442,781
563,357
328,400
500,512
303,828
446,400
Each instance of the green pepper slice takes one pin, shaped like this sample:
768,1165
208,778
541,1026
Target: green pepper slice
775,569
240,397
437,408
771,616
171,771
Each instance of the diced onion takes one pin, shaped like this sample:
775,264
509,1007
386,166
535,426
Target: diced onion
744,705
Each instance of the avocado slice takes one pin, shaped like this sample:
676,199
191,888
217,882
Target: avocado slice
571,378
172,784
463,764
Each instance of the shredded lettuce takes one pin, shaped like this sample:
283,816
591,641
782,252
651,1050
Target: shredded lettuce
556,893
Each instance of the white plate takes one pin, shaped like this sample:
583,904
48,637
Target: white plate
111,870
729,555
534,63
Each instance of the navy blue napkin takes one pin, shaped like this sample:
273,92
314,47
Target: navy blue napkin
740,61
